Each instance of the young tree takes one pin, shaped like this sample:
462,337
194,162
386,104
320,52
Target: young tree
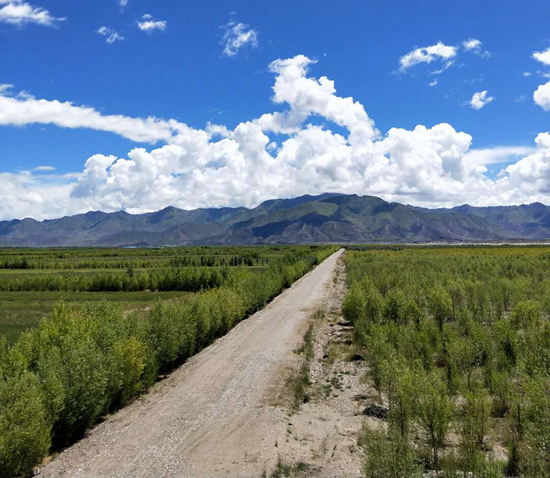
394,307
476,421
400,381
457,294
353,305
389,455
526,314
433,410
440,305
537,436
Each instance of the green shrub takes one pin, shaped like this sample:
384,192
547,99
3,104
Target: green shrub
389,456
24,425
433,410
526,314
354,303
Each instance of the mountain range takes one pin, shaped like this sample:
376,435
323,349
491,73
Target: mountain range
327,218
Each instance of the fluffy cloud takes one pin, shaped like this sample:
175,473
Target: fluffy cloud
111,35
428,54
149,24
541,96
530,176
307,96
480,99
444,54
497,155
427,166
24,109
474,45
543,56
18,12
5,87
238,36
28,195
123,3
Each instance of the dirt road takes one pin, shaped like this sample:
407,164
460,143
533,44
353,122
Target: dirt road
214,416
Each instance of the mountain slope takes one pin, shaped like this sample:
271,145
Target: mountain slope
307,219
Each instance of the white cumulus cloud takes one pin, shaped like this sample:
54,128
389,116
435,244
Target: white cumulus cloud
541,96
218,166
149,24
25,109
4,88
111,35
543,56
238,36
19,12
441,53
474,45
428,54
480,99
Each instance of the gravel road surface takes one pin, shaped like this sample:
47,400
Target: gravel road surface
214,416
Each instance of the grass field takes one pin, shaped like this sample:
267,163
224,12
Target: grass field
21,310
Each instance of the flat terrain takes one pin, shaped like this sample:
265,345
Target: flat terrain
33,281
22,310
214,416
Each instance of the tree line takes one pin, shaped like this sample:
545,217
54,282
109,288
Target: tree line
244,259
185,279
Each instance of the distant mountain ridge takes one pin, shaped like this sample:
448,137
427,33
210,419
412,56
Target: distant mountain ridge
335,218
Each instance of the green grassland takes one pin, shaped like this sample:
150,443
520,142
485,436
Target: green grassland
21,310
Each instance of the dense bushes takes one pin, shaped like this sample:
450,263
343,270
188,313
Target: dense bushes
187,279
82,362
143,258
24,424
458,346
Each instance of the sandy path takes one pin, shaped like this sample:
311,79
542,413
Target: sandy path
212,417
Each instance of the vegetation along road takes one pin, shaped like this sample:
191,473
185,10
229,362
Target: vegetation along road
213,416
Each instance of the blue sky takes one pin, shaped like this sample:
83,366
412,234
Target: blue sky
180,71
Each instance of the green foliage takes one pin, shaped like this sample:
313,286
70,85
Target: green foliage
24,425
459,349
189,279
476,422
433,409
526,314
87,360
354,303
536,445
440,305
389,455
395,307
